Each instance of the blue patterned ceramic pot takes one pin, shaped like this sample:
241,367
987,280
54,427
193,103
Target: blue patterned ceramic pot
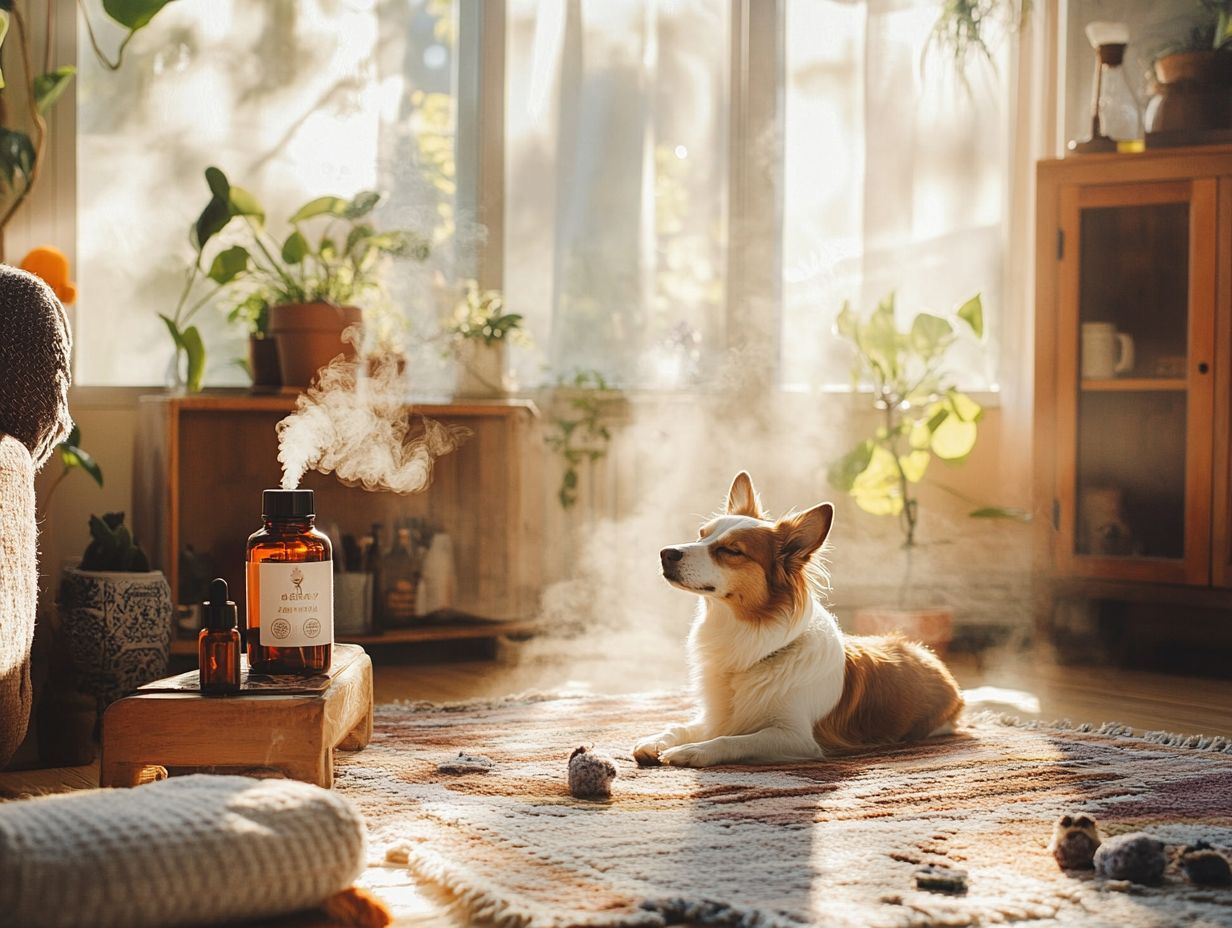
118,628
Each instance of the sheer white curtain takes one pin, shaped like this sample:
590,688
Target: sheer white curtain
616,178
897,177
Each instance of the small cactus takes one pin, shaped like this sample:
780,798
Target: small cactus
112,548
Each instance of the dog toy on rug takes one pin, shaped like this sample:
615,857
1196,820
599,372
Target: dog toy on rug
1205,866
590,774
1075,839
1136,857
937,878
465,763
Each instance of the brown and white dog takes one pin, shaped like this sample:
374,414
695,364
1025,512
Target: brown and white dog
776,679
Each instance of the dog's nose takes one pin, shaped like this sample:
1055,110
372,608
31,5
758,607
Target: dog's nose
668,555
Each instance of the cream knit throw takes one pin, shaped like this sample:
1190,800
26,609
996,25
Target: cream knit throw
18,591
193,850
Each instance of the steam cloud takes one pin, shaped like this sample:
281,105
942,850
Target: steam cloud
354,422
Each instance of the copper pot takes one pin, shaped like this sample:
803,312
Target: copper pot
1192,90
309,336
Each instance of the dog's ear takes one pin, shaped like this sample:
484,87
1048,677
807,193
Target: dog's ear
800,535
742,498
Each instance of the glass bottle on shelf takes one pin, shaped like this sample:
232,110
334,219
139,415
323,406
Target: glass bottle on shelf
399,577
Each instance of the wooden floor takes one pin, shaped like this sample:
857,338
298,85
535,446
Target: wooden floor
1026,685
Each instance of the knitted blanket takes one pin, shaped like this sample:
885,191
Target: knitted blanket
18,591
35,345
194,850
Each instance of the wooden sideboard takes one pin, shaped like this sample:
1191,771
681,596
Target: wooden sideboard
202,462
1135,466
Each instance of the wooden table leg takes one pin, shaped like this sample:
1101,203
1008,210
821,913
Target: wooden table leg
358,737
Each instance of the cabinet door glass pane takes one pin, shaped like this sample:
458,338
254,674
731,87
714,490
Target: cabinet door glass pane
1131,429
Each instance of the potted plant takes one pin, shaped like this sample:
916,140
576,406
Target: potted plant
922,415
115,613
253,313
478,330
1192,81
303,292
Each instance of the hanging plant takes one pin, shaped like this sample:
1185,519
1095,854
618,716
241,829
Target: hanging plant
961,28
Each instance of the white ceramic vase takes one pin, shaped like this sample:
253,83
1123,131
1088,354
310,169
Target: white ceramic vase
481,370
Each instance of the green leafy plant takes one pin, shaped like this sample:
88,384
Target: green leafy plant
479,315
960,27
72,458
112,548
23,124
923,413
331,253
580,434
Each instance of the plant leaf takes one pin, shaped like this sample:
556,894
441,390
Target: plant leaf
4,28
218,183
295,248
878,490
17,156
72,455
365,202
964,407
229,264
334,206
953,439
972,313
242,203
174,330
133,14
842,473
194,347
48,88
929,335
914,464
212,220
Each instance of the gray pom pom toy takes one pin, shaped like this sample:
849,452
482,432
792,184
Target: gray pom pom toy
590,774
1136,857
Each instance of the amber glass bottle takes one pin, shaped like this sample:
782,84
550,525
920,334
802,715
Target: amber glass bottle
290,588
218,647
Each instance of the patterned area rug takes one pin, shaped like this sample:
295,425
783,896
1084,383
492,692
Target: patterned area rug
828,843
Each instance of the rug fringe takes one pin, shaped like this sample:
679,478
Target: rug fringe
481,905
1217,743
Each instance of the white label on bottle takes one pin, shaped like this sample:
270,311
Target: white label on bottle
297,604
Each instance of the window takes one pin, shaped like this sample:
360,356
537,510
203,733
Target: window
292,99
615,205
895,178
622,139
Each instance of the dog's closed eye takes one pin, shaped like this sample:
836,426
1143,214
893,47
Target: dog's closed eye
729,552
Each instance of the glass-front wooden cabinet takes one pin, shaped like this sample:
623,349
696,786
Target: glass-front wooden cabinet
1134,306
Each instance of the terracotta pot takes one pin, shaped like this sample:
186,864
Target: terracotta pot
1193,91
263,362
117,627
481,369
933,627
309,336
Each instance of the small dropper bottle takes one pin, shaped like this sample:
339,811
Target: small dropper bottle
218,646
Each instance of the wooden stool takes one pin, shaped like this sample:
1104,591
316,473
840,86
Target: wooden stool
292,734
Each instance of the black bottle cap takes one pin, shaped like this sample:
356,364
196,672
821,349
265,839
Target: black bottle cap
220,613
287,504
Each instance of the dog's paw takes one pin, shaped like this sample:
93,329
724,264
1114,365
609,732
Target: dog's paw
647,752
689,755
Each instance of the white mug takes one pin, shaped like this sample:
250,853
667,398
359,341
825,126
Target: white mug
1105,351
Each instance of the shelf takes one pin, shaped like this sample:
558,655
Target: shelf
461,629
285,402
1136,385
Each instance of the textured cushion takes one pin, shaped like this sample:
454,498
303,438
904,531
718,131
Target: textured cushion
34,363
194,850
18,591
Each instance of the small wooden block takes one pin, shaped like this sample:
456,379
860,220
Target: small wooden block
294,735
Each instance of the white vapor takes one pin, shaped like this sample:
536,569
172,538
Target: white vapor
354,422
